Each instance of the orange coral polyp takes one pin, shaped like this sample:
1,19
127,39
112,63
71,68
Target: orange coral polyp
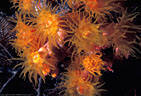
24,6
93,64
47,25
77,86
47,20
24,35
86,35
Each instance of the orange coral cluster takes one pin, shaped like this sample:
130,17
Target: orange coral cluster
41,29
82,77
35,38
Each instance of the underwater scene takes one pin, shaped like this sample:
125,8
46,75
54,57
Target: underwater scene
70,48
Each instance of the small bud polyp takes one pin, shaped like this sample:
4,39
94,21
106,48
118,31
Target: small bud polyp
46,70
54,75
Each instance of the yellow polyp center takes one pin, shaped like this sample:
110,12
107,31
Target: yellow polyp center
86,34
36,58
49,22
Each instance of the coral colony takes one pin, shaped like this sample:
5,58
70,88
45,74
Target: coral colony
47,33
